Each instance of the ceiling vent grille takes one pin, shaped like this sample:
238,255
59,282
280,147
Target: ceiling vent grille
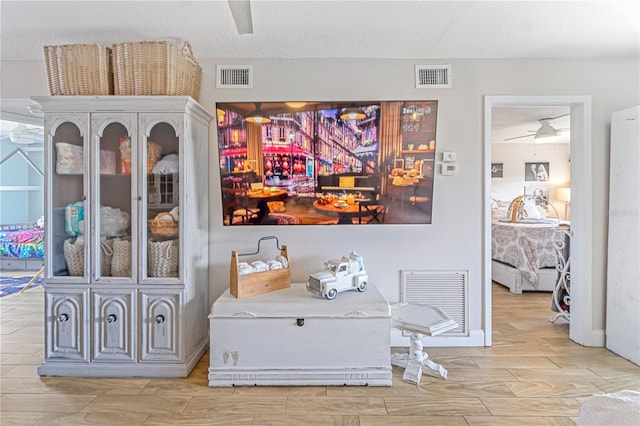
234,77
433,77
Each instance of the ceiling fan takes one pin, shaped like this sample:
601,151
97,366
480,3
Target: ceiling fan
25,135
546,130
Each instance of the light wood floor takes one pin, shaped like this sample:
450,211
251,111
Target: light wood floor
532,375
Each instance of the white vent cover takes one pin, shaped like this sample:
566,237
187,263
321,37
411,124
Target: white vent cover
447,290
234,77
433,77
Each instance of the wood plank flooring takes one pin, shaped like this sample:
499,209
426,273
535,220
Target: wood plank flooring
532,375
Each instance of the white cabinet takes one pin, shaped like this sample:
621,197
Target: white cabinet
126,247
66,321
160,316
113,323
291,337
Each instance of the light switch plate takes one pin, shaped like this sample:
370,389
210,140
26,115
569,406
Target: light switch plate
448,156
449,169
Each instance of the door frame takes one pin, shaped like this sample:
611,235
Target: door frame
580,327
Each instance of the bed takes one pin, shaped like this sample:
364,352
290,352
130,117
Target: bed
523,255
22,246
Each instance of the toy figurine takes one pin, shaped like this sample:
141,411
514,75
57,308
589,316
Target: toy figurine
340,275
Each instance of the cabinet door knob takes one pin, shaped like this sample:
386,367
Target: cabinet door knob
300,322
112,318
159,319
63,317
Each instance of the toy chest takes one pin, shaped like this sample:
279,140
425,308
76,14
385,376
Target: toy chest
292,338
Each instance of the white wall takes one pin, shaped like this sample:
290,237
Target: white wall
513,156
455,239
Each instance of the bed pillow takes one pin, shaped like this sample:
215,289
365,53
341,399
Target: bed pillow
531,211
499,213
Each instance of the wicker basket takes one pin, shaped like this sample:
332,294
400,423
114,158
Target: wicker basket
79,69
160,227
106,256
74,256
121,260
155,68
163,258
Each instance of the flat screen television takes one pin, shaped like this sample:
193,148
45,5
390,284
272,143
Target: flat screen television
319,163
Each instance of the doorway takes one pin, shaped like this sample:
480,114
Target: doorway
580,329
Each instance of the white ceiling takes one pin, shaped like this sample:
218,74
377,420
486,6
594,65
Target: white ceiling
516,121
337,29
341,29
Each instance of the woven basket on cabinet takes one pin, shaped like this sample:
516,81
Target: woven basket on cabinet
155,68
167,227
106,256
163,258
74,256
79,69
121,260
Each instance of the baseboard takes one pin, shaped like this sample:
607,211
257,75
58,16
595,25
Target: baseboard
598,338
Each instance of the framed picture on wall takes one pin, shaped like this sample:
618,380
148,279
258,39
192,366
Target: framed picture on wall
497,170
536,172
538,192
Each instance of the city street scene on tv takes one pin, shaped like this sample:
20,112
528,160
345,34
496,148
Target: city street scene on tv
325,163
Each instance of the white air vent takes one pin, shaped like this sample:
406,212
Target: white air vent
433,77
446,290
234,77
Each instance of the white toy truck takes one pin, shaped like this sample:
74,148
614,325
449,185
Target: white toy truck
344,274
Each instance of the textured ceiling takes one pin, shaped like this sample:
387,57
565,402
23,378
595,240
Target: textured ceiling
337,29
341,29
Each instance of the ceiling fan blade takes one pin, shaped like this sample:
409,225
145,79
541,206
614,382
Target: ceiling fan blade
559,116
241,12
519,137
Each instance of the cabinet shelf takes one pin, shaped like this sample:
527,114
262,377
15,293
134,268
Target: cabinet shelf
161,207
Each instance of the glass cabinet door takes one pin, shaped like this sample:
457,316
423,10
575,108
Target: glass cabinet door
161,199
68,182
113,197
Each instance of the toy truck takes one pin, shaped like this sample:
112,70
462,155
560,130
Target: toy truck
339,275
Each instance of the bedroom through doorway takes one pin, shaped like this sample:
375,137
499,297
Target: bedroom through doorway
511,152
530,167
21,192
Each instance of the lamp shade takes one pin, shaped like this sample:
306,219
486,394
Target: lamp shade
295,105
258,116
564,195
352,113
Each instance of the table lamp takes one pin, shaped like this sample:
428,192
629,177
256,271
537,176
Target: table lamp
564,195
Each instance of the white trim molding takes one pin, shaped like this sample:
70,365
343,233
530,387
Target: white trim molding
581,326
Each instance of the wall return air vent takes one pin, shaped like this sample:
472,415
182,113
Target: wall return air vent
433,77
234,77
447,290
